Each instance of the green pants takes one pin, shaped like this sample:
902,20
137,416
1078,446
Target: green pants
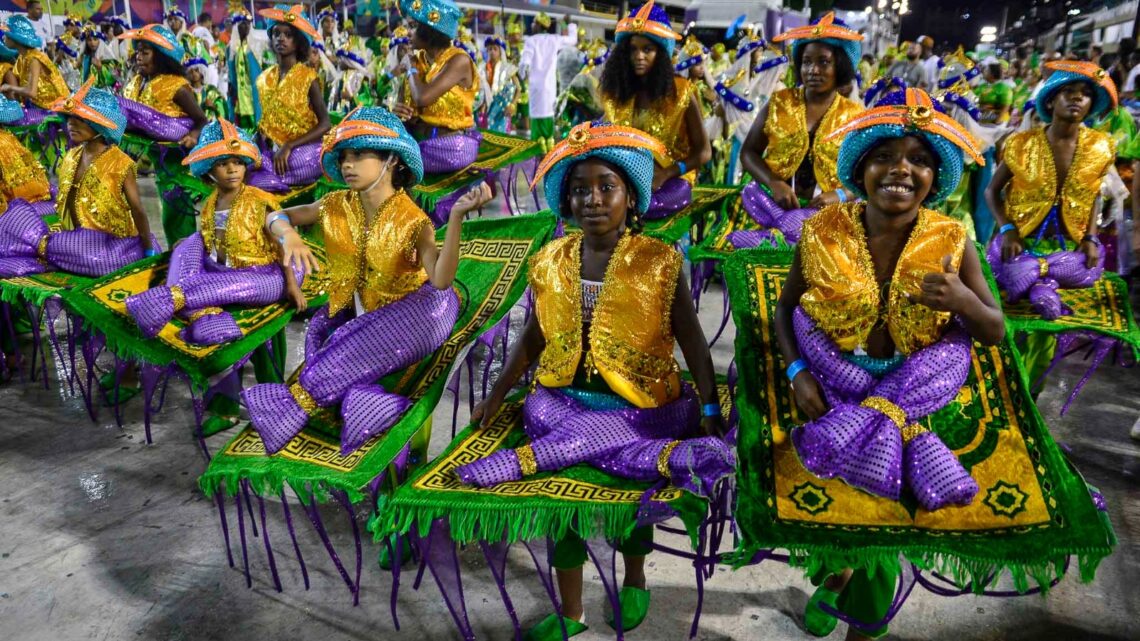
570,550
542,130
866,598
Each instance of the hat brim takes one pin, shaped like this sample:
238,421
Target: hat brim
636,164
1101,104
403,146
857,144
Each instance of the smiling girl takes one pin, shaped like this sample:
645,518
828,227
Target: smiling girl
640,89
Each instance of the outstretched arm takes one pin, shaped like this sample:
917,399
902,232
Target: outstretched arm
294,251
442,263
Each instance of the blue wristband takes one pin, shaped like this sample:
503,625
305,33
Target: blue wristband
682,167
1006,227
841,195
795,368
710,410
151,251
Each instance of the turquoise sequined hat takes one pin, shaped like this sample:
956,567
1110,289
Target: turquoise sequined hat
907,113
219,140
649,21
441,15
830,30
1070,71
10,111
630,149
98,108
7,54
161,37
21,30
370,128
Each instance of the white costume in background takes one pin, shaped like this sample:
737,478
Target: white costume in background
538,66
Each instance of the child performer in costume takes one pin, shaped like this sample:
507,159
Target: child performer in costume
158,101
788,150
876,318
203,79
37,82
641,90
104,225
22,177
231,260
98,59
1051,177
243,67
502,83
390,297
609,305
293,112
442,83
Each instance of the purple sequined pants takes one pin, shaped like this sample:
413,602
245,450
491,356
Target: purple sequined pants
1039,278
80,251
304,169
624,442
345,367
768,215
859,443
154,124
206,284
673,196
445,154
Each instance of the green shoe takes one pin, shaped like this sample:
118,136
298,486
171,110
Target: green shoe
215,423
816,621
549,629
634,607
386,552
112,398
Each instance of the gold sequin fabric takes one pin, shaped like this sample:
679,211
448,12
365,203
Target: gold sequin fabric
303,398
177,298
246,243
50,87
842,294
380,262
1033,189
455,108
204,312
631,336
886,408
21,175
98,201
157,93
788,139
5,67
528,464
285,111
665,120
663,459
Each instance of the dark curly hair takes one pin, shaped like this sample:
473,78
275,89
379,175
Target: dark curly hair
844,72
300,40
632,217
164,65
622,84
432,38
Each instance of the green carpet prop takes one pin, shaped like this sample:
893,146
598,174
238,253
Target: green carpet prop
491,278
1104,308
1033,509
496,151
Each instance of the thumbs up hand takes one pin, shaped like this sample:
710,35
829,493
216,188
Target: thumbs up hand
943,291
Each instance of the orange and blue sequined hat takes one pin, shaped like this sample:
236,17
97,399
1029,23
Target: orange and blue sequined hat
221,139
373,128
293,16
1070,71
907,113
632,150
161,37
21,30
441,15
650,21
97,108
827,29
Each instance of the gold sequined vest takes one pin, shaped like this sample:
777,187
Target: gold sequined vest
382,263
158,93
665,120
285,111
842,294
788,140
455,108
98,201
1033,190
246,243
50,87
21,175
631,336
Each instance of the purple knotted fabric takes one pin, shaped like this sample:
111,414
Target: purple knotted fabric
304,169
80,251
863,446
623,442
355,356
154,124
671,197
1021,277
749,238
32,117
768,214
445,154
205,283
